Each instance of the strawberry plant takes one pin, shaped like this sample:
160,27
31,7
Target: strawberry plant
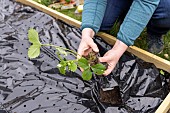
89,63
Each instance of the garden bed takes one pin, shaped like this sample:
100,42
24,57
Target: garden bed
146,56
36,85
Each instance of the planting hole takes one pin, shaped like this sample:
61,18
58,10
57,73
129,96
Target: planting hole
75,109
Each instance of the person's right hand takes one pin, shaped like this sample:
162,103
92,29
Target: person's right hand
87,44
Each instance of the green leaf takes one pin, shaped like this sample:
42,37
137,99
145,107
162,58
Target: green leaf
87,74
68,1
62,67
34,51
61,51
98,69
83,63
72,66
62,63
162,72
33,36
62,70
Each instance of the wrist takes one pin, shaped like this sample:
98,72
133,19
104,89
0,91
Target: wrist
119,48
88,32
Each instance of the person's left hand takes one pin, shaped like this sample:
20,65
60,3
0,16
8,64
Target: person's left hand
111,59
112,56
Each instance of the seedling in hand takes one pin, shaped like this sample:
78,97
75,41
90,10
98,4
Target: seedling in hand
89,64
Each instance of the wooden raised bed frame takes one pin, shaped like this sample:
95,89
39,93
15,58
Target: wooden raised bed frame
146,56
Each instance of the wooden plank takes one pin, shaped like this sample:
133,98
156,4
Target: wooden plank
165,106
146,56
51,12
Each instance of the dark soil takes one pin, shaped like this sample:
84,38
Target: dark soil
111,96
92,58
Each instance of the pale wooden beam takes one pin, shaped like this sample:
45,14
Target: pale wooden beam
165,106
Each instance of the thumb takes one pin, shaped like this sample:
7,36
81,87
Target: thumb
94,47
104,59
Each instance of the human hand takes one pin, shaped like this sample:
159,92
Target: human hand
112,56
87,44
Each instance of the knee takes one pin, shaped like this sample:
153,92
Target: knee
162,11
161,16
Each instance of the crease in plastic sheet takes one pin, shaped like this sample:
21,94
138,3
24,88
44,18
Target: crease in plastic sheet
36,86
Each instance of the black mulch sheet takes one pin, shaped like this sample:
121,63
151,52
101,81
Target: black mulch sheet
36,86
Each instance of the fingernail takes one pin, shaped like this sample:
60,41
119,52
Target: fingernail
105,74
97,50
85,49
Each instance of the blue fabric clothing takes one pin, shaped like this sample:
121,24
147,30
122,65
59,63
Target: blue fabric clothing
160,21
93,13
101,15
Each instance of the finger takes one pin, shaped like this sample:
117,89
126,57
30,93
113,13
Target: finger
104,59
81,50
81,69
86,52
108,71
79,54
94,47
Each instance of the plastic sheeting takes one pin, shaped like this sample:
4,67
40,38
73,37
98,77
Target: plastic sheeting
36,86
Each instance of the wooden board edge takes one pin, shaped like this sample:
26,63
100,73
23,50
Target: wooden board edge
51,12
140,53
165,105
146,56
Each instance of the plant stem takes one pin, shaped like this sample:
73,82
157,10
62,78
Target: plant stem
69,51
72,60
